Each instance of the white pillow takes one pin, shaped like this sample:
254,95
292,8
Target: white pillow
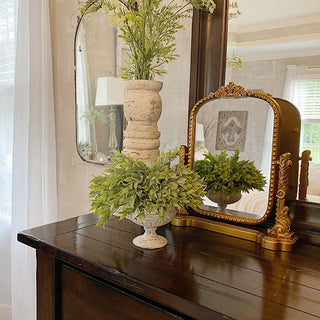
314,179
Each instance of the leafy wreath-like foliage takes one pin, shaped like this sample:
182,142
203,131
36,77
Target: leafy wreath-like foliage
130,185
229,174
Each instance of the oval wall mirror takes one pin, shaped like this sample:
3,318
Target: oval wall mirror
233,118
275,46
99,56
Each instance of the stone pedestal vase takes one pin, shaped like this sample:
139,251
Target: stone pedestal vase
142,109
150,239
222,200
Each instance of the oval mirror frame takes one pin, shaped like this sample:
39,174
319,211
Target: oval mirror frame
101,157
79,20
233,90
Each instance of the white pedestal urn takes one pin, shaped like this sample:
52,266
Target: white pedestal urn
150,239
222,200
142,110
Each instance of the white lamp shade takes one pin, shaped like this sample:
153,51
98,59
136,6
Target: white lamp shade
110,91
199,132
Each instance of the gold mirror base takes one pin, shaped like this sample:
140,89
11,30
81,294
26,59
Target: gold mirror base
265,241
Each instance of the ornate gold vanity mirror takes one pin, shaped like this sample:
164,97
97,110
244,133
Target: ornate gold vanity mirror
259,126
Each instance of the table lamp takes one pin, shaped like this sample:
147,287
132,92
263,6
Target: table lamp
110,92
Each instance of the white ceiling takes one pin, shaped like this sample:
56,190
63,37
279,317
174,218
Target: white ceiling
266,11
270,29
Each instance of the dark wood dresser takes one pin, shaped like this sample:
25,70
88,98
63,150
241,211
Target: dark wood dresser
89,272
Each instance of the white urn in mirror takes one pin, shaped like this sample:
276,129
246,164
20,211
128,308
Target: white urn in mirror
222,199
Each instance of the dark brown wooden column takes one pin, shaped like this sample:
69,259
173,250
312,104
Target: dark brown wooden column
208,51
46,286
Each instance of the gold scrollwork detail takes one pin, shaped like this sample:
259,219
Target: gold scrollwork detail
181,212
282,226
231,89
281,194
183,155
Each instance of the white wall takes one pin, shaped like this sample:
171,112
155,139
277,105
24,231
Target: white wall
268,75
73,174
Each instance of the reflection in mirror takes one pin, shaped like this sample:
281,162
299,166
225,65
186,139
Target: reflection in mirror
245,123
99,57
278,50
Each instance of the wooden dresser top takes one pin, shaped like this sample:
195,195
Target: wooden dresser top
199,274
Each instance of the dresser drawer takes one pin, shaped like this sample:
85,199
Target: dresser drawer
85,298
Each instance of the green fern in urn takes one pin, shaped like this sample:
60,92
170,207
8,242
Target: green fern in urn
227,176
132,186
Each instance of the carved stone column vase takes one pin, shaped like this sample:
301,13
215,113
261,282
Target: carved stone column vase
142,109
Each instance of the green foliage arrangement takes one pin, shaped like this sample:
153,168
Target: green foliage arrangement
131,185
234,62
148,27
92,114
229,174
84,148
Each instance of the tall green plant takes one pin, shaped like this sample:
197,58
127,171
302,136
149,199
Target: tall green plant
130,185
148,27
229,174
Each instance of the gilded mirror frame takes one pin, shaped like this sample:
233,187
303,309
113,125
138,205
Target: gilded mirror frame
233,90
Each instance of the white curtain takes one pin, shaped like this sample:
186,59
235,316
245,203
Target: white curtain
6,118
34,192
84,100
293,74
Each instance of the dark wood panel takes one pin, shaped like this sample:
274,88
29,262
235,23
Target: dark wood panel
45,286
140,276
32,236
208,51
200,274
220,285
219,252
84,298
277,280
306,220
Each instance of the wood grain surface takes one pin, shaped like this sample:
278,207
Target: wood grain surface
198,275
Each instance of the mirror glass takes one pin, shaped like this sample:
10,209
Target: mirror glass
99,57
245,123
275,46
